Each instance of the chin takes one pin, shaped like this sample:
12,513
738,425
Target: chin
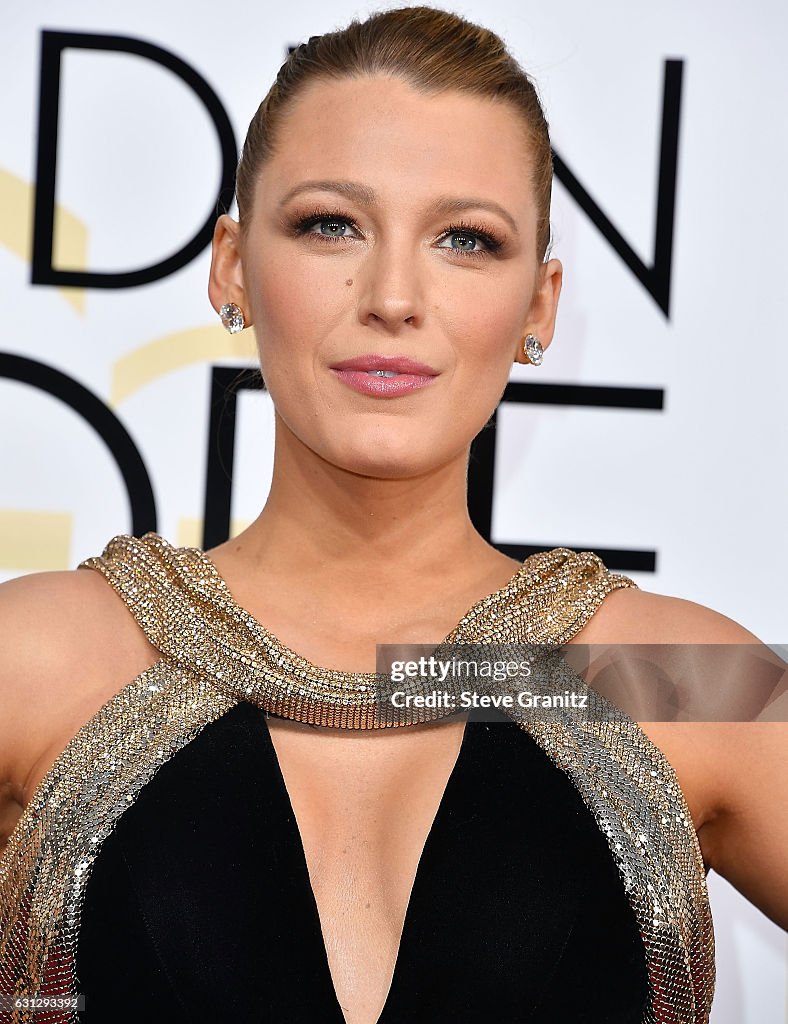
397,463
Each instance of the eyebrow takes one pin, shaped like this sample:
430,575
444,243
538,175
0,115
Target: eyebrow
365,196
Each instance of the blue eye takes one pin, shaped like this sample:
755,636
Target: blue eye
336,226
468,241
331,225
468,238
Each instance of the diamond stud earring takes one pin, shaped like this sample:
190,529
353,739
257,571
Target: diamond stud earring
232,317
532,348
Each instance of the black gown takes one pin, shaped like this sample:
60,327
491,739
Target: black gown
517,912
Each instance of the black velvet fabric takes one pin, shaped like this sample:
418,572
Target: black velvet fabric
199,908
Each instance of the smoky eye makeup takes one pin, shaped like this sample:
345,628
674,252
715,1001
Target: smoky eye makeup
300,224
471,234
470,230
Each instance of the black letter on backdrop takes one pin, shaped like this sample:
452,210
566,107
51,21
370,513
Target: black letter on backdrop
103,420
655,279
228,381
481,465
52,45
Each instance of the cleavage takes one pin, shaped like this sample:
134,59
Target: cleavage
364,806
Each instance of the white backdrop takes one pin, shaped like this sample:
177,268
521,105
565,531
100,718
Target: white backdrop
700,482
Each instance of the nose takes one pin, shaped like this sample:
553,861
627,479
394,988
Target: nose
391,284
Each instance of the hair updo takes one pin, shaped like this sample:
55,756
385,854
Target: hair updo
433,51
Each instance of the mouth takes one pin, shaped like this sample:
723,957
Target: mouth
384,376
386,366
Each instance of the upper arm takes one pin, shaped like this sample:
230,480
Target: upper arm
67,642
747,839
741,765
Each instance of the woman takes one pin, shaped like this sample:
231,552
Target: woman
232,835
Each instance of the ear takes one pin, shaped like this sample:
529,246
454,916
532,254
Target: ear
225,281
544,307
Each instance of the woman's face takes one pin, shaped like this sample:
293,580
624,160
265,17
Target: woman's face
393,223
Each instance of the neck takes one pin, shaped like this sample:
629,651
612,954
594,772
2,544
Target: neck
326,522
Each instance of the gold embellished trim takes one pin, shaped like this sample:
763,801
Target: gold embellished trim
185,608
47,861
634,794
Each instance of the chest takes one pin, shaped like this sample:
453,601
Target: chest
361,892
363,821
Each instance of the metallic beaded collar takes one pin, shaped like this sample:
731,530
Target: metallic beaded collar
184,605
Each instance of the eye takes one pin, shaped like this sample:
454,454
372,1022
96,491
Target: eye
332,227
326,225
470,241
466,241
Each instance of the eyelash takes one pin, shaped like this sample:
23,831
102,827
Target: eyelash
301,225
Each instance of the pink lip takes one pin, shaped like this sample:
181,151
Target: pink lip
398,364
383,387
412,375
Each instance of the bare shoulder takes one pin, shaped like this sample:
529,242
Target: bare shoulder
67,644
632,615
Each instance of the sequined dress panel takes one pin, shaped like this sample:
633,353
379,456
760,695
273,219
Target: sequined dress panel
221,670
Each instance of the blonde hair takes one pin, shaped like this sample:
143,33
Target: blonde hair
433,51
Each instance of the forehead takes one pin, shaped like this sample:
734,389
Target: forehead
403,142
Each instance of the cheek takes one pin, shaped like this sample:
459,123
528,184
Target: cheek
483,320
289,293
296,302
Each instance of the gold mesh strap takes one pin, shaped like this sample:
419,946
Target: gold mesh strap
45,866
186,610
634,795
